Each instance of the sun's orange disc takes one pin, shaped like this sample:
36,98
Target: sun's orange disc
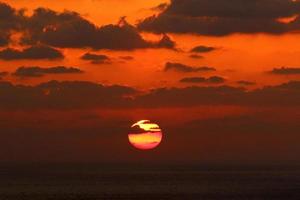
145,135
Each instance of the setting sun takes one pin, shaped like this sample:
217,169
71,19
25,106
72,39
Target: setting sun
145,135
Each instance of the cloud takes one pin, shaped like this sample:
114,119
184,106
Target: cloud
10,19
202,49
221,17
96,58
210,80
185,68
160,7
246,83
62,95
287,94
190,96
196,56
70,30
3,74
4,39
255,135
126,57
39,72
32,53
242,124
69,95
285,71
165,42
193,80
216,79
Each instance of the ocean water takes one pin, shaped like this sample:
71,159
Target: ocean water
94,181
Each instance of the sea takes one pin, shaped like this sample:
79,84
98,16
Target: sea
73,181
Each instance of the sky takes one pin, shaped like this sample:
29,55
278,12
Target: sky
221,78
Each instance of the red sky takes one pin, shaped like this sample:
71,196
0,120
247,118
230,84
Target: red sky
259,121
238,57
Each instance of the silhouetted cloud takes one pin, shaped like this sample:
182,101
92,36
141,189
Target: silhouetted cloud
216,79
202,49
287,94
246,83
10,19
38,71
96,58
185,68
196,56
285,71
34,52
68,95
127,57
4,40
222,17
193,80
160,7
190,96
165,42
70,30
3,74
253,134
211,80
62,95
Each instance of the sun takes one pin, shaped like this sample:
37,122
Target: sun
145,135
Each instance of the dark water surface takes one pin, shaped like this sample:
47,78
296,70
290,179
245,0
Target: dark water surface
91,182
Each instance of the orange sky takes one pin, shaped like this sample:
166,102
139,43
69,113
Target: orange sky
238,57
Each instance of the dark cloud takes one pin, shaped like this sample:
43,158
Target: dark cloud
196,56
190,96
96,58
222,17
285,71
9,17
185,68
193,80
287,94
3,74
246,83
34,52
211,80
68,95
160,7
216,79
253,135
127,57
239,124
165,42
4,40
62,95
71,30
10,20
39,72
202,49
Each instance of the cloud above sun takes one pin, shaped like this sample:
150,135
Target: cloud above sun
79,94
70,30
222,17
